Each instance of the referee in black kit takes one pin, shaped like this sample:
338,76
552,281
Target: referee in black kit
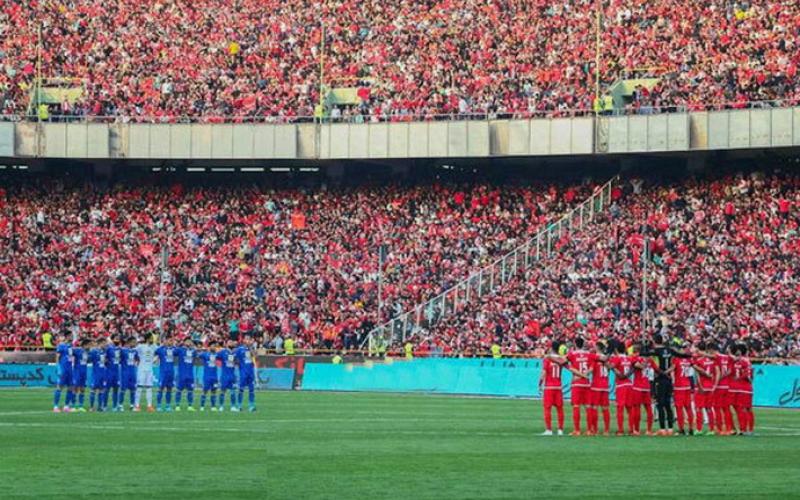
663,378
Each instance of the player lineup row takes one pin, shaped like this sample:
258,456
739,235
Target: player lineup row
702,382
127,366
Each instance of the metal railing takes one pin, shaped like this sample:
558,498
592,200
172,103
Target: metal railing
399,117
491,277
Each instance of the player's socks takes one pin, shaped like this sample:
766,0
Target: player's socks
80,399
116,398
213,400
70,399
203,400
576,418
649,410
548,419
560,416
91,399
620,419
728,419
160,397
178,397
635,418
606,420
719,419
56,398
751,419
169,399
190,398
133,399
149,395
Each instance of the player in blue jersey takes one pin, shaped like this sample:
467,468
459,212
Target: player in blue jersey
186,355
165,357
113,367
128,372
80,369
210,376
247,372
227,379
97,359
64,360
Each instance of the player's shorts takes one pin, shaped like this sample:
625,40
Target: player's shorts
553,397
623,395
98,381
640,398
683,398
581,396
227,383
210,384
112,377
144,377
722,398
246,379
166,380
79,378
65,376
703,399
129,379
742,399
599,397
186,383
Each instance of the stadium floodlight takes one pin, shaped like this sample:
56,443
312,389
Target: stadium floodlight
252,169
195,169
281,169
309,169
226,169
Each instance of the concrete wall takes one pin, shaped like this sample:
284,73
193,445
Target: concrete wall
679,132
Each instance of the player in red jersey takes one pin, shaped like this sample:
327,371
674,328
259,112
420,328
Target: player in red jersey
682,373
599,391
722,397
707,376
640,393
580,363
742,390
623,368
550,387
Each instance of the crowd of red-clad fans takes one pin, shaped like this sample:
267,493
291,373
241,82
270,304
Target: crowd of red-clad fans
87,259
723,265
208,59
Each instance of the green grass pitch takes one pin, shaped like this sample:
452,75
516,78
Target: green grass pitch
365,446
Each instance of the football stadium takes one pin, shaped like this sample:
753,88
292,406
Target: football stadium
399,249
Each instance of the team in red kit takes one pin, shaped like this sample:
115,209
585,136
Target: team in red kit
709,387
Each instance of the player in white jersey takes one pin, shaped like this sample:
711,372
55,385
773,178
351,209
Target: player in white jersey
144,373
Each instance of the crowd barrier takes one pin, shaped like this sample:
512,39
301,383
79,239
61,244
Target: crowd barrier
776,386
33,375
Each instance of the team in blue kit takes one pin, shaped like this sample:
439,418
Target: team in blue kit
109,368
186,356
165,358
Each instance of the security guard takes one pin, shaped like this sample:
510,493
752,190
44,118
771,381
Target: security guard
337,359
47,340
496,354
409,348
608,105
288,346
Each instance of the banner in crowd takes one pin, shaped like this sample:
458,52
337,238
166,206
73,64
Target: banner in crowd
30,375
777,386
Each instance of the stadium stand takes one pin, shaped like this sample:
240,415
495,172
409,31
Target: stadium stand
302,263
724,255
203,60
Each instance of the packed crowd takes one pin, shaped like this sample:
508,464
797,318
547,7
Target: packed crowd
723,264
208,59
86,260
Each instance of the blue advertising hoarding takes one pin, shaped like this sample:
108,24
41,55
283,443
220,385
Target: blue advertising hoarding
30,375
777,386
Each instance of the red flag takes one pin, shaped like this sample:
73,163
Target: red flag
298,221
